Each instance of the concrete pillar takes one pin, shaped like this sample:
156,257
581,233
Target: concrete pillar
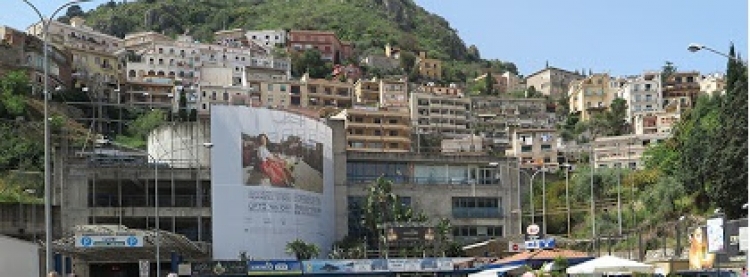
339,180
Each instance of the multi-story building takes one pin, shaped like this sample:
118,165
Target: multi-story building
552,80
322,93
504,83
657,122
268,38
642,94
429,68
592,94
447,116
377,130
24,52
394,94
682,88
495,118
329,45
713,84
94,60
367,92
535,148
450,90
623,151
478,194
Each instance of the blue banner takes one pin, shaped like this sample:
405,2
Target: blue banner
328,266
273,267
377,265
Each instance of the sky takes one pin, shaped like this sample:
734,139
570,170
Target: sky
622,37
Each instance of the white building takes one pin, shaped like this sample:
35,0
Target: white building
623,151
713,84
642,94
269,38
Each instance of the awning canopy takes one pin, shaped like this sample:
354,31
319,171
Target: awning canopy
610,265
494,272
168,242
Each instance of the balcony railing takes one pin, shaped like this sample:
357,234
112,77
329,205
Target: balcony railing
180,201
405,180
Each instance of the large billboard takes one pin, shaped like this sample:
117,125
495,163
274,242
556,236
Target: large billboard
272,182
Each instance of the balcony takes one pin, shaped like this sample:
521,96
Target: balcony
460,158
477,213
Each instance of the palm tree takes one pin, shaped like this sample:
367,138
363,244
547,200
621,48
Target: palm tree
302,250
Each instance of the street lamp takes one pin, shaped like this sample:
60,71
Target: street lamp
47,172
531,195
518,191
695,47
678,252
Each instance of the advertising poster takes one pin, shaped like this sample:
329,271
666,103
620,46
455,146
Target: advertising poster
272,182
219,268
329,266
715,233
698,255
273,267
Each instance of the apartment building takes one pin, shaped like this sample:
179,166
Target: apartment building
495,118
682,88
642,94
623,151
429,68
478,194
329,45
450,90
236,38
535,148
552,80
657,122
94,53
447,116
592,94
328,93
377,130
367,92
713,84
24,52
394,94
269,38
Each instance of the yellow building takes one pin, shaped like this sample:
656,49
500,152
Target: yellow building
95,63
377,130
592,94
429,68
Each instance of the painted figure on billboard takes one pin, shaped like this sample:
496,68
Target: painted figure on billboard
698,256
289,163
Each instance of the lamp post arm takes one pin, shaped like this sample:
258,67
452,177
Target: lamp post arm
723,54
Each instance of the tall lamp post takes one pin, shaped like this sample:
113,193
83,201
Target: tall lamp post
47,171
518,190
567,167
695,47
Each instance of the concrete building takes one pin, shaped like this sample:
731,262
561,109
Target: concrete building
447,116
592,95
495,118
658,122
504,83
377,130
623,151
367,93
713,84
429,68
552,80
682,88
642,94
328,93
450,90
329,45
535,148
394,94
269,38
478,197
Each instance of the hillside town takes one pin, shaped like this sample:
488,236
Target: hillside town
457,162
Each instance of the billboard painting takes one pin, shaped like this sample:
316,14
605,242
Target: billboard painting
715,234
272,182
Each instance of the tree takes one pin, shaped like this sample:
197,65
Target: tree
407,61
310,62
612,122
667,70
182,112
382,206
472,53
13,88
302,250
489,84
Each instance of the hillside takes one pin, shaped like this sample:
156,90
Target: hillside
369,23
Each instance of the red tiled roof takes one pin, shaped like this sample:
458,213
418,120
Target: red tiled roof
545,254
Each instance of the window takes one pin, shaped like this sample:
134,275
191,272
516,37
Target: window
376,120
546,147
393,145
377,133
270,87
393,133
526,148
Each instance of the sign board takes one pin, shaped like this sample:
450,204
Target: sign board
273,267
540,244
533,232
743,238
350,267
143,268
410,235
225,268
515,246
127,240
